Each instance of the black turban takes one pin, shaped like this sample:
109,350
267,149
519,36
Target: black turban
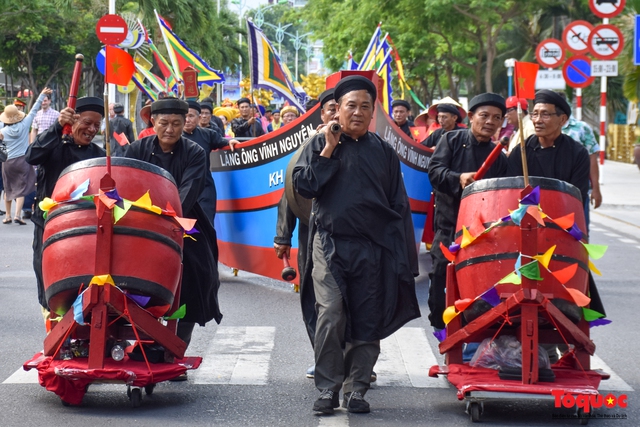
207,106
352,83
90,103
195,105
243,101
400,103
546,96
326,96
448,108
492,99
169,106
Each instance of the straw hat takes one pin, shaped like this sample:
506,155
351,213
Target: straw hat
145,113
226,112
289,109
432,111
11,115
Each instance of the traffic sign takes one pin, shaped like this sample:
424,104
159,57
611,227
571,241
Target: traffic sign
550,79
550,53
636,42
606,8
604,68
576,36
112,29
577,71
606,41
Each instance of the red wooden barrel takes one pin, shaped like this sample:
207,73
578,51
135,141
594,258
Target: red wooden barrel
483,263
146,255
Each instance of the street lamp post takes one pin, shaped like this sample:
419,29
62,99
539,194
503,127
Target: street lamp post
510,63
297,44
242,4
280,33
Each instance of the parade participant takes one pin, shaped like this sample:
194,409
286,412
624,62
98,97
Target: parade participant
289,114
458,155
362,259
448,115
207,116
52,154
145,115
400,110
18,177
120,124
209,141
185,160
246,126
19,104
275,123
225,115
512,119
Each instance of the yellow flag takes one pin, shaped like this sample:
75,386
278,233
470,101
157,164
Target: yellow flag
467,238
449,313
546,257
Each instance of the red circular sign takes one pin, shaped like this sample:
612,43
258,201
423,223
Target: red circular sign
606,8
550,53
606,41
111,29
577,71
576,36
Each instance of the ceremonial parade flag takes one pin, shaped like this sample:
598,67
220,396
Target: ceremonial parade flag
419,133
144,88
401,77
370,52
181,57
525,76
155,81
384,72
121,138
351,63
267,70
119,66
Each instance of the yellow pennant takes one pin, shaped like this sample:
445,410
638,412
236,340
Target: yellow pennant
593,268
46,204
102,280
546,257
449,313
467,238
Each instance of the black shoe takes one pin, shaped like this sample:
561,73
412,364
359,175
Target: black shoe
355,403
374,376
26,214
2,213
327,402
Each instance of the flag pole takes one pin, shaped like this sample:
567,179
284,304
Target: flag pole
523,150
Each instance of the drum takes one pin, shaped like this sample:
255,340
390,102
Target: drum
146,254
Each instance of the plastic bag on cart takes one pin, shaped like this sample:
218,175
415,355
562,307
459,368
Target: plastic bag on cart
505,352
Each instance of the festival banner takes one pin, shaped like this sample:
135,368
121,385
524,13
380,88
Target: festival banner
372,48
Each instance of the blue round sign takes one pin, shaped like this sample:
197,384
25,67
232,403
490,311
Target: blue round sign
577,71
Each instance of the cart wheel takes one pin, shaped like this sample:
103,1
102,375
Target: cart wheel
136,397
65,403
129,392
149,389
474,412
582,418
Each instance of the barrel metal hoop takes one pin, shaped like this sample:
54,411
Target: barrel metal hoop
514,255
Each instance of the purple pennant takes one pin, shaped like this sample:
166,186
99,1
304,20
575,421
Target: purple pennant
454,248
506,218
599,322
491,296
141,300
440,334
192,231
113,195
575,232
532,199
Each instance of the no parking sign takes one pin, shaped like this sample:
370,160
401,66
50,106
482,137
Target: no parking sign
577,71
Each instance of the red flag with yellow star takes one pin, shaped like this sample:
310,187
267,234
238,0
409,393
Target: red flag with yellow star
525,79
419,133
119,66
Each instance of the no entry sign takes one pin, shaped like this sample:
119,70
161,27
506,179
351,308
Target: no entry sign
606,41
576,36
577,71
606,8
550,53
112,29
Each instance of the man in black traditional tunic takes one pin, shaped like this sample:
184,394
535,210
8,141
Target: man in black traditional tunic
400,110
362,251
120,124
246,126
52,154
457,157
449,117
185,161
209,140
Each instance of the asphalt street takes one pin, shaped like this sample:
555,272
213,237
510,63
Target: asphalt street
254,366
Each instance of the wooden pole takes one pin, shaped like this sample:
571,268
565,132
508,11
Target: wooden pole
523,149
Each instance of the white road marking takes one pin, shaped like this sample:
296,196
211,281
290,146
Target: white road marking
615,383
405,359
628,241
612,234
339,419
596,228
23,377
237,355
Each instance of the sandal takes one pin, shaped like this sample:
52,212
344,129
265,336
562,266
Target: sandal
7,221
19,221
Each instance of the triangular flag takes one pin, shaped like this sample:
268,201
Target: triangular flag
454,248
599,322
79,191
108,202
119,212
462,304
119,66
580,299
595,251
467,238
516,216
121,138
511,278
46,204
186,223
477,227
102,280
593,268
591,315
575,232
566,221
534,211
546,257
566,274
169,210
144,201
531,271
179,313
491,296
525,79
449,313
447,254
440,334
532,198
518,265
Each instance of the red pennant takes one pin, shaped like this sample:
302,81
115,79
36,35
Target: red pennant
169,210
121,138
119,66
477,227
525,79
580,299
106,200
447,253
566,221
462,304
535,213
563,276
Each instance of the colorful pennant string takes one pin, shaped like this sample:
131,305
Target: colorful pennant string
578,297
566,274
595,251
491,296
532,198
512,277
447,254
531,271
546,257
591,315
565,222
178,314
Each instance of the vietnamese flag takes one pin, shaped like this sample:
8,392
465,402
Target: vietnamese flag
419,133
119,66
121,138
525,79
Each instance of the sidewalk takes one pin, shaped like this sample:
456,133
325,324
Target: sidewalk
620,187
